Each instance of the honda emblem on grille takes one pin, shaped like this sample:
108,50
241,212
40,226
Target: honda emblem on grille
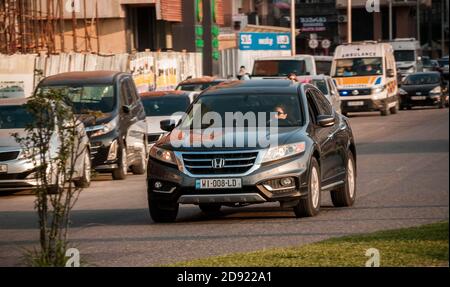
218,163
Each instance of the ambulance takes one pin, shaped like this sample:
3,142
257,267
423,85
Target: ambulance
366,76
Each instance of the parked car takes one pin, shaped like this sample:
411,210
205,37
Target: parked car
327,86
423,89
198,84
323,65
17,170
443,64
114,117
282,67
315,153
430,65
161,106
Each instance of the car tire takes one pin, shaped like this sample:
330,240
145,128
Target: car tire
141,167
210,209
346,195
385,111
162,212
394,110
85,180
442,104
310,205
121,172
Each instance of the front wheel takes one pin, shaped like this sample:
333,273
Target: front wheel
162,212
385,110
310,205
85,180
120,173
394,110
346,195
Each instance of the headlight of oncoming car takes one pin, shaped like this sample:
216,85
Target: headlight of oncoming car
280,152
104,128
402,92
436,91
378,89
163,155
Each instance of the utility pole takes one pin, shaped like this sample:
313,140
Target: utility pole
293,32
390,21
418,21
349,21
443,27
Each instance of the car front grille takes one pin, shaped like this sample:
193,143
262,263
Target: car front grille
7,156
233,163
361,92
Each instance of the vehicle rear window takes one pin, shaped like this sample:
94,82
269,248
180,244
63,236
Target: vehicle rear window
405,55
279,68
196,87
15,117
323,67
165,106
426,79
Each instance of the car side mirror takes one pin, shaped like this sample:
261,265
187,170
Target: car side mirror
325,121
168,125
126,109
390,73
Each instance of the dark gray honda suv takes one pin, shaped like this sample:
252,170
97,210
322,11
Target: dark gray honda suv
251,142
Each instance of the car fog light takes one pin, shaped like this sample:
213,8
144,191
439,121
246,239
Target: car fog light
158,185
287,182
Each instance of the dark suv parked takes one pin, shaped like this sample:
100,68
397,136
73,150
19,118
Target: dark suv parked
315,153
109,105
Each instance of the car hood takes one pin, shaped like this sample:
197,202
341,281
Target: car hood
282,136
419,88
95,118
154,123
7,140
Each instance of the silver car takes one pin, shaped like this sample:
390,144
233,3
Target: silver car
327,86
17,170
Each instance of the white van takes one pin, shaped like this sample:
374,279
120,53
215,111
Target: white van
366,76
407,52
281,67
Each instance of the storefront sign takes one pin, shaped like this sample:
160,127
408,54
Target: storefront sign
264,41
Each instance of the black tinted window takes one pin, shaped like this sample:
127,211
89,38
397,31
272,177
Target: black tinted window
323,104
425,79
165,106
279,68
15,117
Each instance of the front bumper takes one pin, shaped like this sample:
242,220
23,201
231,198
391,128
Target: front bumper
408,101
180,187
18,177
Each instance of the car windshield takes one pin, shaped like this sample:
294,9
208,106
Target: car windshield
321,85
87,99
196,87
323,67
405,56
359,67
255,107
15,117
165,106
279,68
425,79
427,62
443,62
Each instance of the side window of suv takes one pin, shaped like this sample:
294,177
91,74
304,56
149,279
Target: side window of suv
323,104
124,94
134,97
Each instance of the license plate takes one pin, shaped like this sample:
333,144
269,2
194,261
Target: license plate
3,168
418,98
355,104
419,93
226,183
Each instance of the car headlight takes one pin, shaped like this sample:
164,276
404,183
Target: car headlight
163,155
436,91
280,152
402,92
378,90
104,128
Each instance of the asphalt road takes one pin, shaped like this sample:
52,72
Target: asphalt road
403,181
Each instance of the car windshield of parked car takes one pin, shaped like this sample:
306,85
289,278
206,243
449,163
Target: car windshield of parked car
405,56
165,106
321,85
279,68
87,99
323,67
426,79
358,67
15,117
256,108
196,87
